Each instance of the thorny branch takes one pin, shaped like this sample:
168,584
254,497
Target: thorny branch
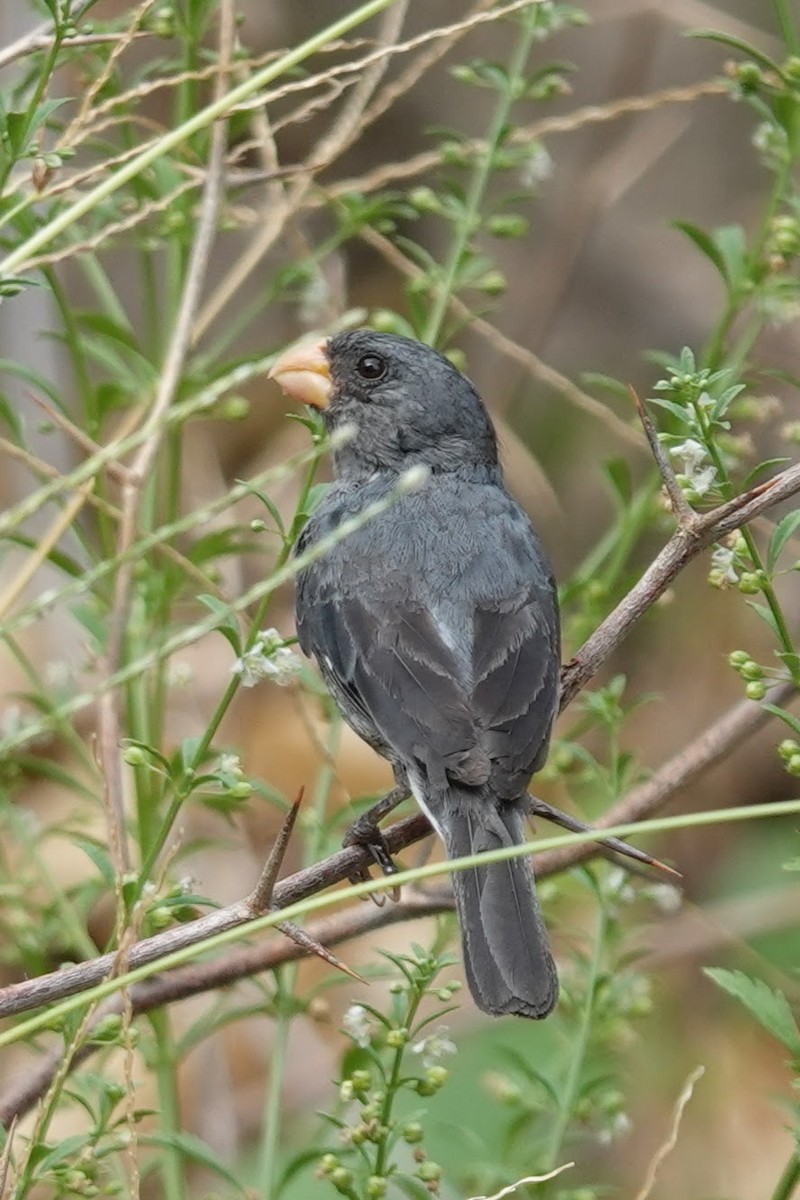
695,532
743,720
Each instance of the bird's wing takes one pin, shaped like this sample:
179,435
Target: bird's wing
516,662
391,664
390,660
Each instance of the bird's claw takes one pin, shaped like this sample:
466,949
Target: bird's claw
364,832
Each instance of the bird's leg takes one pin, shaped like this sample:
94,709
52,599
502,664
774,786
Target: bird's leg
365,830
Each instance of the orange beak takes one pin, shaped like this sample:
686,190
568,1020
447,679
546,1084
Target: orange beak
304,374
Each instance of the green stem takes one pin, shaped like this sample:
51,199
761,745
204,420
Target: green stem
786,24
286,980
393,1086
161,146
273,1108
33,104
172,1174
789,1180
186,785
578,1050
469,222
768,591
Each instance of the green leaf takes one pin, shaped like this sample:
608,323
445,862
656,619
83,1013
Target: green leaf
782,715
269,505
766,614
706,245
195,1151
760,469
227,626
618,473
735,43
98,856
730,241
677,410
769,1007
783,531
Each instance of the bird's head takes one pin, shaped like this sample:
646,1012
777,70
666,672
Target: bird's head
407,402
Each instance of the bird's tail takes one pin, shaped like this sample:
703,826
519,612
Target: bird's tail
507,957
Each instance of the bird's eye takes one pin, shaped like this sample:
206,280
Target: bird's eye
371,366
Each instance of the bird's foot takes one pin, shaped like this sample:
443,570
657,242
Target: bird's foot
365,832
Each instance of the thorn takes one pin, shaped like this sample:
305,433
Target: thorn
542,809
302,939
680,505
260,898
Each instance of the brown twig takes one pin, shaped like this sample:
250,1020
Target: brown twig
741,721
744,719
346,127
680,505
535,366
690,538
24,1093
145,458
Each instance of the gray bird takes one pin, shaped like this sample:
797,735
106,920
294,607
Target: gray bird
435,626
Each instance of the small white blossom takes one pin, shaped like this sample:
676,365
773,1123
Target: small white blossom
267,658
434,1047
618,886
700,472
229,764
315,300
356,1024
666,897
59,674
619,1125
722,559
11,720
537,167
179,674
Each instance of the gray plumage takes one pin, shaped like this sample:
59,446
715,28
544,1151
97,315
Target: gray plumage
435,626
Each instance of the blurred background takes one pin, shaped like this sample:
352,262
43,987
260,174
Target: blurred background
601,278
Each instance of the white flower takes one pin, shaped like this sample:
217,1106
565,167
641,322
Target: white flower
618,1126
315,300
722,559
267,658
434,1047
59,674
229,764
665,896
356,1024
179,674
537,167
700,472
11,720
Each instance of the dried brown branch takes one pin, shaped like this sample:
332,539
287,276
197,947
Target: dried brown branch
142,465
710,747
680,505
697,533
535,366
594,114
24,1093
743,720
732,729
345,129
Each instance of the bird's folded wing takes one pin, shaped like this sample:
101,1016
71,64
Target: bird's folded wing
475,715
